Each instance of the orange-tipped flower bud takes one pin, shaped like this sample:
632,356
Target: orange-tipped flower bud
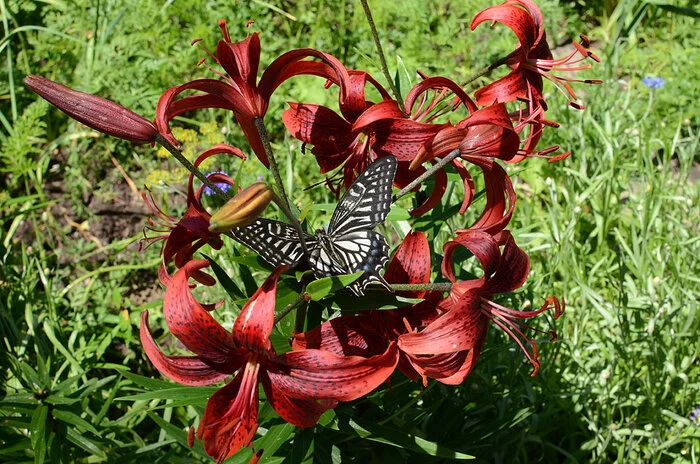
242,209
95,112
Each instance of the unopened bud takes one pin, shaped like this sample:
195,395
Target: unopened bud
242,209
95,112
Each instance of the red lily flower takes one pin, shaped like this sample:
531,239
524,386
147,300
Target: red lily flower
238,90
365,131
371,332
299,385
459,333
532,60
486,134
185,236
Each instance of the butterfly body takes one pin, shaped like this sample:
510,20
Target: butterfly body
349,245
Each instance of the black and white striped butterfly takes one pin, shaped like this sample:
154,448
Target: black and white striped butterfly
349,245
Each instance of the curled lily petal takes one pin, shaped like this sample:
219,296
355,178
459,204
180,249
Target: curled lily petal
254,324
517,19
468,184
456,330
512,271
164,112
188,320
187,370
313,374
355,102
499,191
437,82
282,68
217,149
450,368
299,412
481,244
411,263
436,195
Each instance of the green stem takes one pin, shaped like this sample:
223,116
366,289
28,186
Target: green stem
431,287
499,62
265,137
165,143
288,309
432,170
300,319
380,51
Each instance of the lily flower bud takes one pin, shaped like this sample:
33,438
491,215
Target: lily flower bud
242,209
95,112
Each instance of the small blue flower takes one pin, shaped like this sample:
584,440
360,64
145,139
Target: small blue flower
694,415
224,187
653,82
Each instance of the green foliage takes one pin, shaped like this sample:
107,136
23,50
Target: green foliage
614,229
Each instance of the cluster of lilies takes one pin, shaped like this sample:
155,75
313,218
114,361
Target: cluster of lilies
347,357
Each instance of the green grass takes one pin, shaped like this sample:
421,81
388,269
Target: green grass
614,229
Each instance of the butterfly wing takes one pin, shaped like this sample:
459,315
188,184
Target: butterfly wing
323,264
363,250
368,200
276,242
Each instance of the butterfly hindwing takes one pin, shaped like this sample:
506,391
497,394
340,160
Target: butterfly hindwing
276,242
363,250
368,200
322,263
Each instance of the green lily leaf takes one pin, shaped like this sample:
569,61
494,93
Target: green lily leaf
229,285
390,436
321,288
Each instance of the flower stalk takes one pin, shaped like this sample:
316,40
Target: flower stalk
177,154
454,154
430,287
487,70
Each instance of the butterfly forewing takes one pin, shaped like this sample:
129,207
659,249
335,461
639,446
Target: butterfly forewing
368,200
276,242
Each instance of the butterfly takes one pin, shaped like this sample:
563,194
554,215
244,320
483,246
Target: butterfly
349,245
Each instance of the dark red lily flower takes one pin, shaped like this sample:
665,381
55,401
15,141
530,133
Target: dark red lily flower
238,91
299,385
183,237
532,60
459,333
367,131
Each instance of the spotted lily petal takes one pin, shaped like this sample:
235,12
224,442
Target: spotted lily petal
313,374
411,263
187,370
188,321
231,416
296,411
254,324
